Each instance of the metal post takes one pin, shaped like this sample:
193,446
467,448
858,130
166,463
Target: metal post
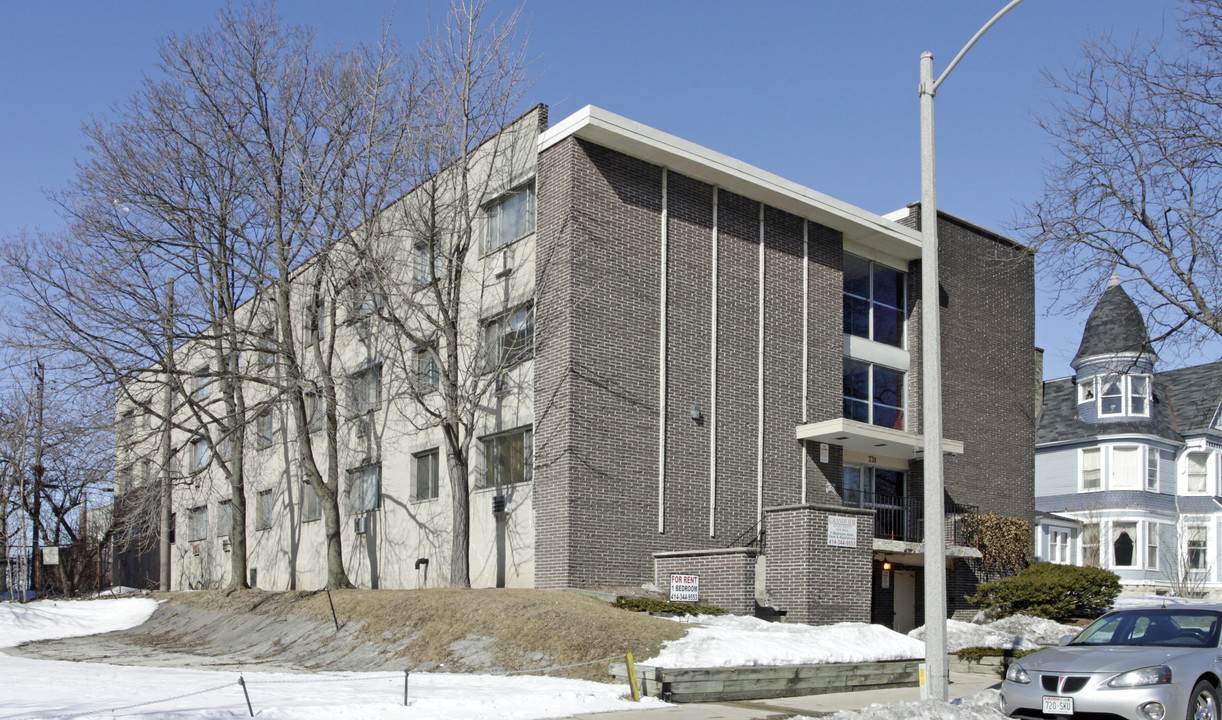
405,674
334,617
36,513
249,708
931,379
167,446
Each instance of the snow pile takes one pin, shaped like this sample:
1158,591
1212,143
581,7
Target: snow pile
1018,632
729,640
47,619
982,706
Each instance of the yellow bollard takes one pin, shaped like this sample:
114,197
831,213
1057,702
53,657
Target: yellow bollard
636,690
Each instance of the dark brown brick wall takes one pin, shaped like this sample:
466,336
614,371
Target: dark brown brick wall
808,579
727,579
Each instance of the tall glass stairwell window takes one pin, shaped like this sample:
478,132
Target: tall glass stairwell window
874,301
873,394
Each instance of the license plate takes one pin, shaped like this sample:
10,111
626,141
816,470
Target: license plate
1058,705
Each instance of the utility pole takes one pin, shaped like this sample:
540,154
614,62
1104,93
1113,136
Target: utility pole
167,449
36,560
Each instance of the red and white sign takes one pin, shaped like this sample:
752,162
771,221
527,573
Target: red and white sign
685,588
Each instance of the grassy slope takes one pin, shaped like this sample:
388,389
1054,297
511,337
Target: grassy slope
518,629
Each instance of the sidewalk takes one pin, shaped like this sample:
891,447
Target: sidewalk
961,685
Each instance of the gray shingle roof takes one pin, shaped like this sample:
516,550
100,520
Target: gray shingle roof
1059,420
1195,394
1114,326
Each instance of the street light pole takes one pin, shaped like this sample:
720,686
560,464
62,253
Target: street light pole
931,380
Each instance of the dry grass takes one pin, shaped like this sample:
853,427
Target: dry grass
467,629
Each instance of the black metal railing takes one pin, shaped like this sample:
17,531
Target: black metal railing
899,517
753,536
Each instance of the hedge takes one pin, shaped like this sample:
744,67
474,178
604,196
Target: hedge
1050,591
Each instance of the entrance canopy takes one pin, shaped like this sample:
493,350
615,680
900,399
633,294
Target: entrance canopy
872,439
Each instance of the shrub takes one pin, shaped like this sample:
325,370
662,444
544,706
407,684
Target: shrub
1050,591
653,605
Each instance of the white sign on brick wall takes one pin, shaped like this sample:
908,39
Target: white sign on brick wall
685,588
841,531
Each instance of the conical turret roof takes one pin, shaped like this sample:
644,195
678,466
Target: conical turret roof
1114,326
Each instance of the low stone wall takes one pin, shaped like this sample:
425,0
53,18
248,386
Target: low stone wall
758,682
727,575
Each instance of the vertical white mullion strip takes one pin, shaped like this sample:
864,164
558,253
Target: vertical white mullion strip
759,390
805,343
713,386
662,360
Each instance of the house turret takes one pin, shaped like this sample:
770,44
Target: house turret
1114,363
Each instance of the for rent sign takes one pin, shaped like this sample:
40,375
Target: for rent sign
685,588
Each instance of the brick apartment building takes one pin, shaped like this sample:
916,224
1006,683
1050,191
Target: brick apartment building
725,381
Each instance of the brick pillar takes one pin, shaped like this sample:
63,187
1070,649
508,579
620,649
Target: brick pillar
809,578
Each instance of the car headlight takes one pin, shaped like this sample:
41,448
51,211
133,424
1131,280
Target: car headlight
1016,674
1154,675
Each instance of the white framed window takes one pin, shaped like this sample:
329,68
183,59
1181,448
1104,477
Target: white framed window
127,424
365,488
224,518
1090,460
874,301
265,429
265,357
1086,391
311,508
873,394
315,410
264,510
426,478
1122,395
1197,547
1125,548
1139,394
1152,545
1196,472
1058,545
428,373
201,454
197,523
428,263
202,387
509,338
508,458
1111,395
366,296
509,217
366,389
1090,545
1153,456
316,321
1127,468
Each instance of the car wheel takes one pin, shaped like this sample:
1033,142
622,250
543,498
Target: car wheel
1203,704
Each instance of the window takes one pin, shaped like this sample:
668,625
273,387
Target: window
1152,546
1127,468
1198,547
1111,395
316,411
1090,545
873,394
311,508
1086,390
127,424
426,269
197,523
1196,466
1124,542
426,476
1139,395
266,348
428,374
508,458
366,296
315,325
1092,476
1058,546
264,510
265,429
203,385
873,301
509,217
1124,395
1152,461
224,518
509,338
366,388
365,488
200,454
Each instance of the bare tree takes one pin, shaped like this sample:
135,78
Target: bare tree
1136,187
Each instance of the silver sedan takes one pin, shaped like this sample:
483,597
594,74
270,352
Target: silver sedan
1140,664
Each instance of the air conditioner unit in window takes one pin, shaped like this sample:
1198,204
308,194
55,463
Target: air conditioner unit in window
195,549
502,262
225,544
504,384
361,524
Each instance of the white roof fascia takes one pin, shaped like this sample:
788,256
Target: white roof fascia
641,141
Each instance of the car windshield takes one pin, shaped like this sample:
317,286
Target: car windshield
1154,627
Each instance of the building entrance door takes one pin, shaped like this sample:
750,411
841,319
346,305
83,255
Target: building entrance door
905,601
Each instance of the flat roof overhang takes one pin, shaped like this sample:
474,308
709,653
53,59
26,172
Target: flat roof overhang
641,141
872,439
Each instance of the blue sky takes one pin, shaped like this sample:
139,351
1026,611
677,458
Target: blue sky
822,92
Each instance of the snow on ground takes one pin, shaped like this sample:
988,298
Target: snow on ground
41,688
1018,632
982,706
726,640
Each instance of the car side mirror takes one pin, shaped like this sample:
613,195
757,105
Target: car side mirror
1065,640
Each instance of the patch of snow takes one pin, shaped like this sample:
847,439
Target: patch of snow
729,640
1040,630
1018,632
48,619
651,587
981,706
